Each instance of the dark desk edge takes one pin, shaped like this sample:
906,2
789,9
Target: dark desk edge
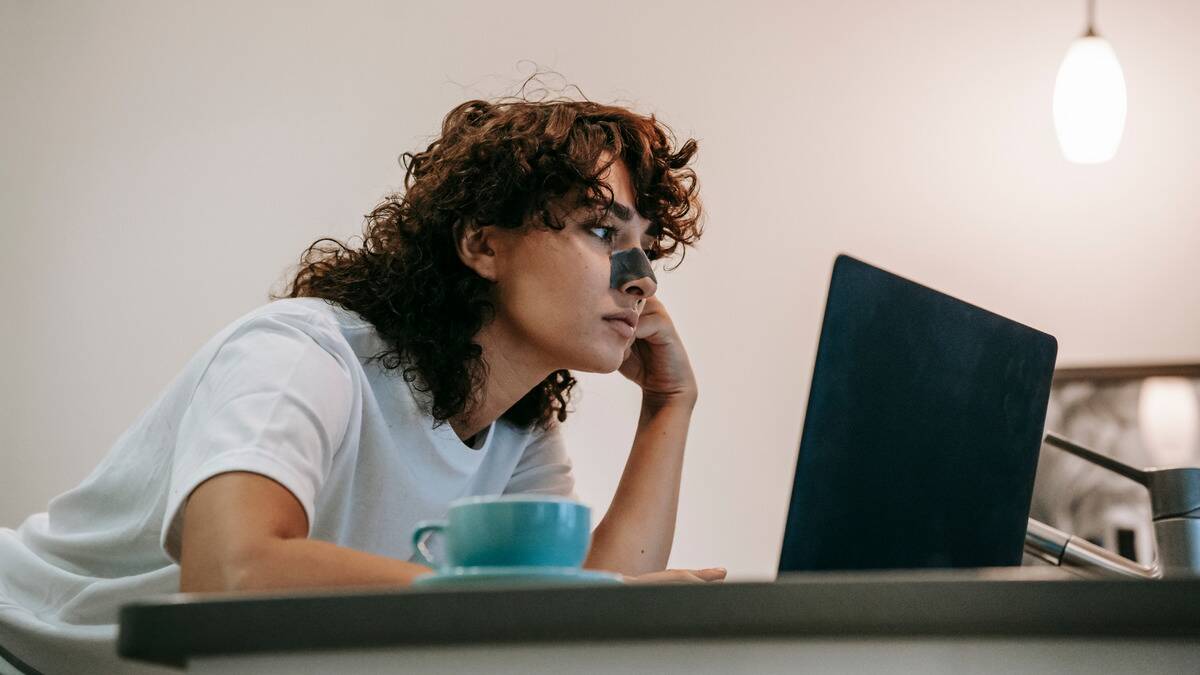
1003,603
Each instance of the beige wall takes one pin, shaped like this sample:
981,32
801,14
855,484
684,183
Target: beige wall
162,165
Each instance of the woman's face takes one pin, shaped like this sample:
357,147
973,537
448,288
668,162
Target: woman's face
553,286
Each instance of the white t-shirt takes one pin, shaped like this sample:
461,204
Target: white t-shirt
282,391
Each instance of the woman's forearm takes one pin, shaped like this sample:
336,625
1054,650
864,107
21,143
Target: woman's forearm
635,536
309,563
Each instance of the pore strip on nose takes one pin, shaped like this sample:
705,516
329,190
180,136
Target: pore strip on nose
628,265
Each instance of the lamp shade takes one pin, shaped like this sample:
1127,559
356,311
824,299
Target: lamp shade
1089,102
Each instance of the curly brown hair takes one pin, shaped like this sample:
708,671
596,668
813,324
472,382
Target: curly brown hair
499,163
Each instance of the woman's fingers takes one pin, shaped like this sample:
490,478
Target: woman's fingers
680,576
650,324
653,305
712,574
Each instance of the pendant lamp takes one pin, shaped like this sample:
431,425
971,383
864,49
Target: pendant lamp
1089,98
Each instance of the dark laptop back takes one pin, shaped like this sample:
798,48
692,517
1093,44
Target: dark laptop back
921,438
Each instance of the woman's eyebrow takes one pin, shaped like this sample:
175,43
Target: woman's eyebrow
625,214
621,211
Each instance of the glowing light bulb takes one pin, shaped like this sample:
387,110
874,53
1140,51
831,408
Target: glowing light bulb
1089,101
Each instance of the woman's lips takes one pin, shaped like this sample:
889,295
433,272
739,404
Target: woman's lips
621,327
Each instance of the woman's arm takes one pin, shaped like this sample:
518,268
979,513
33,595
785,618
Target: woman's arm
635,536
245,532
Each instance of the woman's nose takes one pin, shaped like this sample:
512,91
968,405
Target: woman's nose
643,286
632,273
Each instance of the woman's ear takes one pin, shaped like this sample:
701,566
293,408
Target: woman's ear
476,248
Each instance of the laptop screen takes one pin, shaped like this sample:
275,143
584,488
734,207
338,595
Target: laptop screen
921,437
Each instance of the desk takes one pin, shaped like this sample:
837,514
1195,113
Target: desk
982,621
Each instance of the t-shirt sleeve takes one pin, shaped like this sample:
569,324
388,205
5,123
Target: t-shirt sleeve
275,400
544,467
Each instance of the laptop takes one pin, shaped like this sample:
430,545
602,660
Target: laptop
920,441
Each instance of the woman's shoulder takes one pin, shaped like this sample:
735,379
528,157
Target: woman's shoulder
330,326
321,317
317,310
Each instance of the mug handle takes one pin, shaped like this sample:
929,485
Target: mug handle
425,529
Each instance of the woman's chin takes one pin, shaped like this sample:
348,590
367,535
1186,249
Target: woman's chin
602,364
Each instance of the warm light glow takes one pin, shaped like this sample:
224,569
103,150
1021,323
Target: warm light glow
1089,102
1169,418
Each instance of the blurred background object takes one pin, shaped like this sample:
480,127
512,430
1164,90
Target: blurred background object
1144,416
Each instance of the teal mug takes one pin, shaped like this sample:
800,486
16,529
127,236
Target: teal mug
510,531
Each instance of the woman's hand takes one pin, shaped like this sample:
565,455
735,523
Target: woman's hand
679,576
656,360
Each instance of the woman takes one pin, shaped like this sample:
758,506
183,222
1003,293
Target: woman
301,444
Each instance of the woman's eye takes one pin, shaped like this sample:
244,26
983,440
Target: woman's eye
606,233
607,236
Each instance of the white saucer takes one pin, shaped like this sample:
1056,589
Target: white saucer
521,576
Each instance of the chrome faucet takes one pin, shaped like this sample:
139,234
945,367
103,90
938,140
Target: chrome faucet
1175,512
